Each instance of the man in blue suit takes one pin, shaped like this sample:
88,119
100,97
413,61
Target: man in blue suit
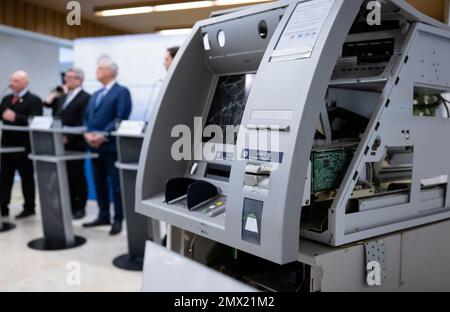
107,106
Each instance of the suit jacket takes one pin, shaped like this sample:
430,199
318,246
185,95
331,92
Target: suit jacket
72,116
27,106
114,107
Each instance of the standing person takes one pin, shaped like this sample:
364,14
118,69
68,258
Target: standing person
168,59
170,55
107,106
15,109
70,108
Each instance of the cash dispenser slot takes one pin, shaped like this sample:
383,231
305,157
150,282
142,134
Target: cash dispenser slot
195,192
257,175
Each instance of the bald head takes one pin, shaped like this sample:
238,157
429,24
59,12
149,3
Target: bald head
18,81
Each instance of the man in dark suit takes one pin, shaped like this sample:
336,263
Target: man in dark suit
15,109
70,108
106,107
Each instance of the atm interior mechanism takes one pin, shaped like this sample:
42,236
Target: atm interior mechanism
348,158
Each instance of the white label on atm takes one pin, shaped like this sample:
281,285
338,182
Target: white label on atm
303,29
252,224
41,123
131,127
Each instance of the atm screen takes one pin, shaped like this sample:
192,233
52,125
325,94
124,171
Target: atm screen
228,104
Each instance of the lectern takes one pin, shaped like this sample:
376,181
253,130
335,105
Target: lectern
49,158
129,138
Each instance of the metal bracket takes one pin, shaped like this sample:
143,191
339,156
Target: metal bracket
375,251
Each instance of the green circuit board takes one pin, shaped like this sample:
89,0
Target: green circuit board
328,168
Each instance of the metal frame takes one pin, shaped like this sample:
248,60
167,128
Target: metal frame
420,48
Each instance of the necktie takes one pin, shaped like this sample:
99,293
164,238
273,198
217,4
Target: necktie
15,100
99,98
67,100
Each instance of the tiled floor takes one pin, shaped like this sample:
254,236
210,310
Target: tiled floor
24,269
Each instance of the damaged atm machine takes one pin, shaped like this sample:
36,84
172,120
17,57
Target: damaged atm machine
350,191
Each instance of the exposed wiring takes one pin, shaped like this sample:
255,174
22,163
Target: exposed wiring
446,102
191,247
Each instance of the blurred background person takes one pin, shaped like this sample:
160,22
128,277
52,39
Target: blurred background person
107,106
15,109
70,107
59,91
156,87
170,55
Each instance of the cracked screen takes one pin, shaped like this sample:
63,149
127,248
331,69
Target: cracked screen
228,104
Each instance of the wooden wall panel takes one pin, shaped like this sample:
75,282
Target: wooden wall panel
28,16
433,8
40,20
21,14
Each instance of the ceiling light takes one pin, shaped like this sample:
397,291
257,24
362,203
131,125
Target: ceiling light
173,7
183,6
235,2
173,32
125,11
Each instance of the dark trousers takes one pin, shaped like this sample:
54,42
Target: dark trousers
9,164
107,182
77,185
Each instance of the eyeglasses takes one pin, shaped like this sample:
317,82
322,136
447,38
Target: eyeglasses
71,77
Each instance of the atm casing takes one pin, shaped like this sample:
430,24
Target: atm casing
295,91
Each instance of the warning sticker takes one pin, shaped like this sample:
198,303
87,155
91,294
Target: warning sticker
252,223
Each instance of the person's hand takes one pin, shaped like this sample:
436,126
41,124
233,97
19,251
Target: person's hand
65,139
9,115
51,97
95,140
98,140
88,137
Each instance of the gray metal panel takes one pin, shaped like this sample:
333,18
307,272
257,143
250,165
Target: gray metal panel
43,143
244,48
56,222
165,270
344,269
130,149
67,157
138,226
132,167
412,262
425,258
14,128
11,150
